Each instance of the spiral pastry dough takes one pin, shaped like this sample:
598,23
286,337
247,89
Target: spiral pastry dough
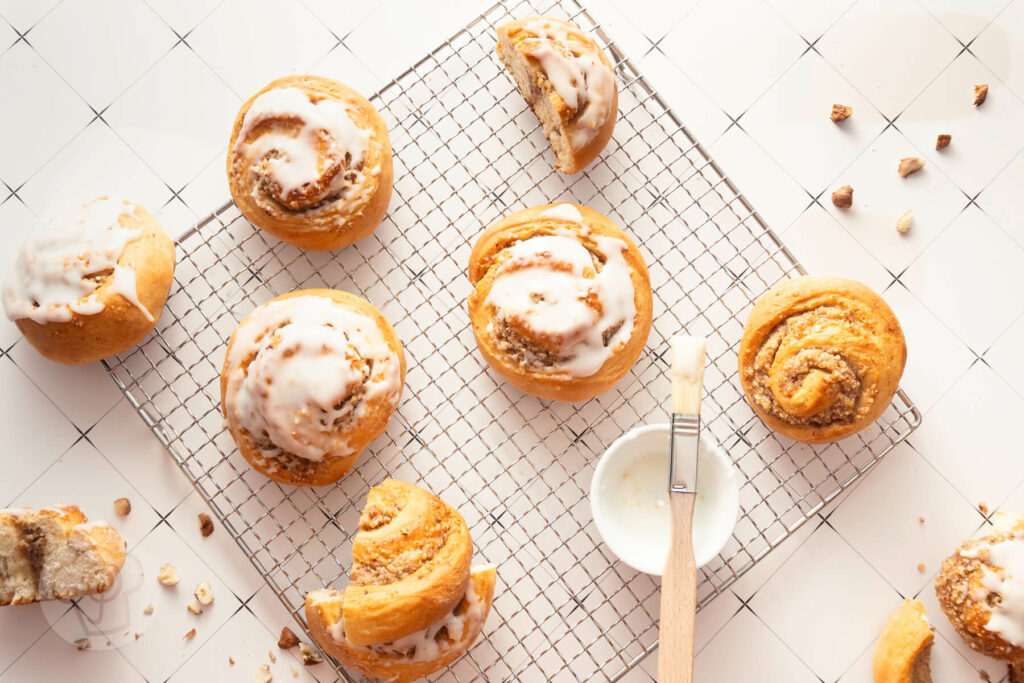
310,162
310,378
821,358
414,605
561,306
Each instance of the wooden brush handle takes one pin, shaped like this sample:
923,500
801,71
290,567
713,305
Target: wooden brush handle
678,597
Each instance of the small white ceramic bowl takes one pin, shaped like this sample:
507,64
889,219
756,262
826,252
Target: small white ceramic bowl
629,499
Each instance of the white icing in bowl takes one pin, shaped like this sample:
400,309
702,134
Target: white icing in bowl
629,499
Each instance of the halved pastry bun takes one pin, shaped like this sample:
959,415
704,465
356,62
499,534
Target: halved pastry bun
309,380
436,646
903,652
561,306
309,161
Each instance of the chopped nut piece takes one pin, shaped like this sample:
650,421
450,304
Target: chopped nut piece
205,524
904,221
231,661
841,112
309,655
83,644
193,607
942,142
190,635
980,93
122,506
295,672
137,635
148,609
273,658
920,566
909,165
843,197
288,639
984,675
167,575
203,593
921,520
983,507
262,674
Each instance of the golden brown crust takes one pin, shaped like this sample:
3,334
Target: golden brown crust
318,226
487,254
511,37
964,599
410,564
821,358
292,469
325,607
904,647
120,325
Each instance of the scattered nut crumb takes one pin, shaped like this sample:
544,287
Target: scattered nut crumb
122,506
904,221
273,658
148,609
167,575
980,93
309,655
83,644
262,674
203,593
920,566
921,520
205,524
984,675
841,112
295,672
909,165
190,635
231,661
942,142
288,639
137,635
983,506
843,197
193,607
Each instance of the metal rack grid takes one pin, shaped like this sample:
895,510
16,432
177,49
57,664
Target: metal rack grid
467,151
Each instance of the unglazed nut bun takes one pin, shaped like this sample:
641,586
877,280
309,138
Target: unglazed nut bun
561,306
91,282
309,380
568,81
414,604
903,651
309,162
821,358
981,590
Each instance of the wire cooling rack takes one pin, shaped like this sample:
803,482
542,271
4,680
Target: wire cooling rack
467,151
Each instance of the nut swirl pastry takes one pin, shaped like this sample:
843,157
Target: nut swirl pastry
90,282
414,605
981,589
567,80
561,306
309,162
821,358
310,378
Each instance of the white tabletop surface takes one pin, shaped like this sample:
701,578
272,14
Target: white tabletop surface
134,98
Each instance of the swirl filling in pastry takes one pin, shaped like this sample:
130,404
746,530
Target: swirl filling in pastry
821,358
303,152
305,376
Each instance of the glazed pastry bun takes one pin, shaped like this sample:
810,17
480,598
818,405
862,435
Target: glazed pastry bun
90,282
309,162
981,589
310,378
903,652
561,306
55,553
414,605
569,83
821,358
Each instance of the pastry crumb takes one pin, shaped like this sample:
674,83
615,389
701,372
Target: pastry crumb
83,644
167,575
194,607
904,221
980,93
921,520
122,506
205,524
909,165
942,142
203,593
190,635
262,674
273,657
983,675
137,635
309,655
231,661
983,506
148,609
843,197
288,639
920,566
295,672
841,112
